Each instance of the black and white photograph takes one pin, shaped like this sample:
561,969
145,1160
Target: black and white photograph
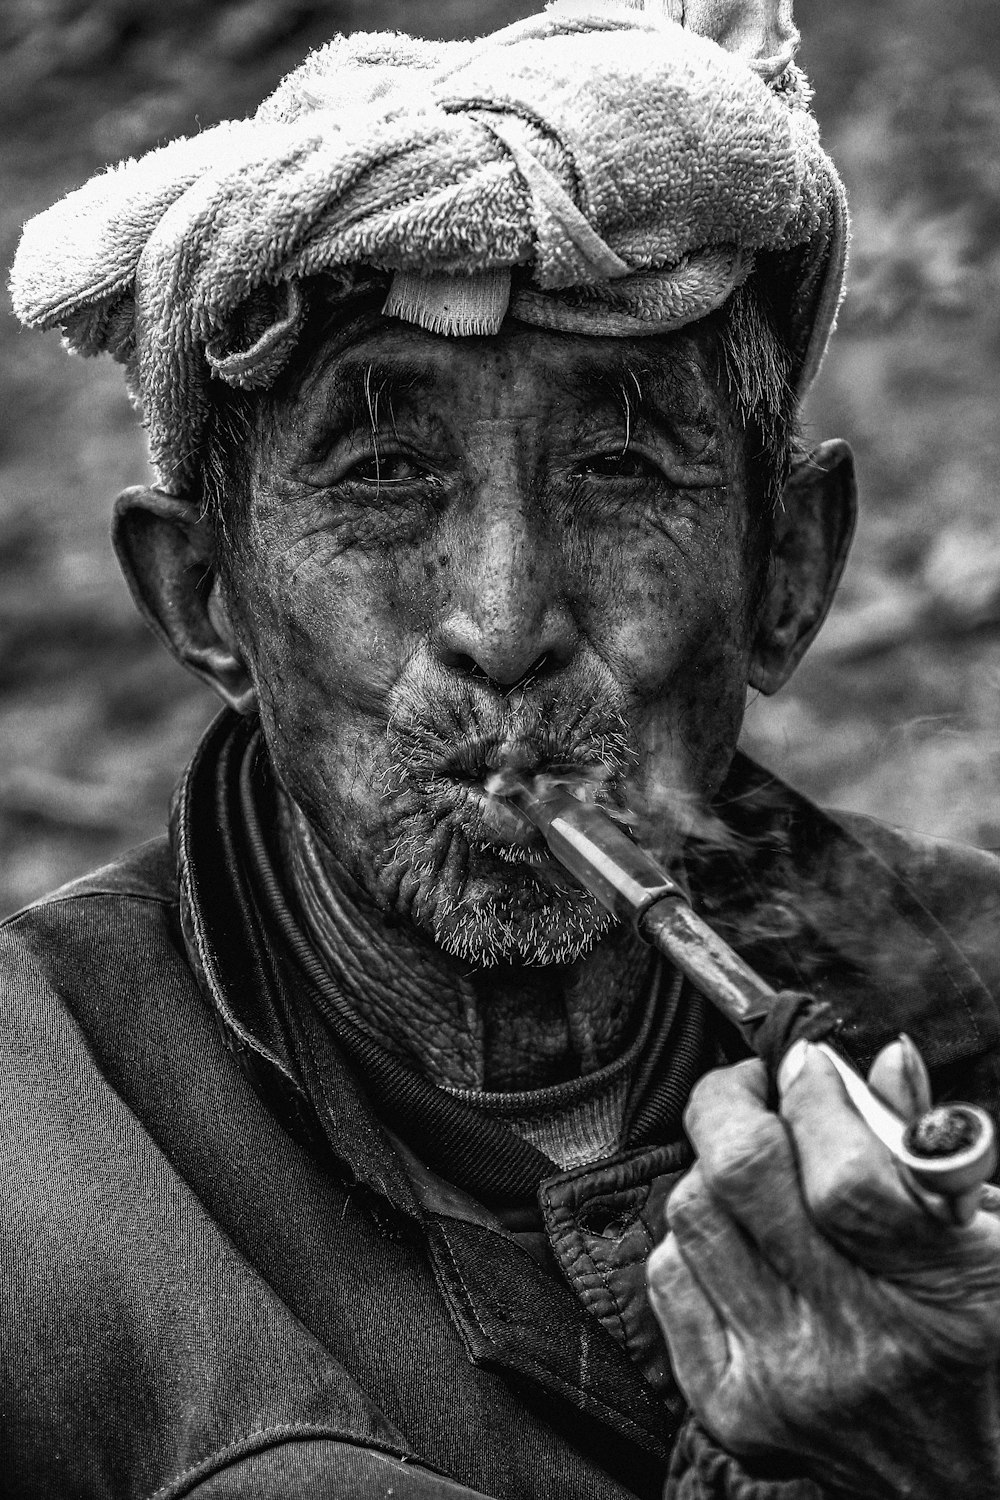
500,750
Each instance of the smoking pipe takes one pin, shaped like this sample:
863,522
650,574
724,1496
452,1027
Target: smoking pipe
950,1150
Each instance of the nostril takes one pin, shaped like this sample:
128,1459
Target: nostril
542,664
468,666
461,661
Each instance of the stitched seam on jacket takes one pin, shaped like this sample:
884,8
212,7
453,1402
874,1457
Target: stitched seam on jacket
260,1441
373,1179
470,1304
48,901
559,1384
605,1275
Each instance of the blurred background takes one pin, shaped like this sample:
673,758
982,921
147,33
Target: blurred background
896,712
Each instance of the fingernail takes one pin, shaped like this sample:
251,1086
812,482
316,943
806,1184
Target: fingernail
965,1206
792,1064
910,1054
914,1075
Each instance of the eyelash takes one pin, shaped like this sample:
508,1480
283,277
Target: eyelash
628,465
619,463
379,464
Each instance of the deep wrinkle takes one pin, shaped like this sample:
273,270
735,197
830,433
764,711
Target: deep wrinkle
633,389
346,395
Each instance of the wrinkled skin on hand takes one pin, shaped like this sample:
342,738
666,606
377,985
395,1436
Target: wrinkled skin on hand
814,1309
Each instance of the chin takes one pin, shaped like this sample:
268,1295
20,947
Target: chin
481,900
532,926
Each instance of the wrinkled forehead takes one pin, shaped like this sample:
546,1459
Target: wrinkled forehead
378,366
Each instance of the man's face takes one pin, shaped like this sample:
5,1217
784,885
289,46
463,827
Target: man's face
461,554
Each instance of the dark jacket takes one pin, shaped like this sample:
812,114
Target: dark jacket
213,1285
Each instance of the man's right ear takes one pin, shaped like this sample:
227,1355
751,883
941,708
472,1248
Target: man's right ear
166,549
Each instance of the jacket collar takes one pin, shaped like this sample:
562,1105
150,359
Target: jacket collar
242,978
895,932
833,905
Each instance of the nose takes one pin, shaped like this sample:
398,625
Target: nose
509,622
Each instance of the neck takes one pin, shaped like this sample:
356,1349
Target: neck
504,1028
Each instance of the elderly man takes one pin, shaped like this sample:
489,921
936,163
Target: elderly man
343,1130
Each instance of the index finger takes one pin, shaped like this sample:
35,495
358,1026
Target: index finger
850,1180
727,1106
748,1163
742,1086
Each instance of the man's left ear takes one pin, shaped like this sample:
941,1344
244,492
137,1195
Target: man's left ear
812,536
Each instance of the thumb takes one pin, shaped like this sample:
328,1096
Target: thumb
899,1077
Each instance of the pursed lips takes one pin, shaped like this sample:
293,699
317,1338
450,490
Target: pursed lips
475,764
475,759
462,781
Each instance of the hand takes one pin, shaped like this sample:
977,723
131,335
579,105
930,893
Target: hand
814,1309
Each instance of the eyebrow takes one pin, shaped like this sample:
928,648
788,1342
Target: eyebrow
364,389
362,392
650,385
616,384
363,386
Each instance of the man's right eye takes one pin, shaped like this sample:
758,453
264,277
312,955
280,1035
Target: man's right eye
385,468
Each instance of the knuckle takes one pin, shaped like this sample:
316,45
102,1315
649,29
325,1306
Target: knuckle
664,1261
665,1273
726,1416
700,1097
734,1164
842,1195
734,1413
688,1202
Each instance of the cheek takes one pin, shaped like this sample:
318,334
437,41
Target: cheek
320,626
678,631
325,641
676,612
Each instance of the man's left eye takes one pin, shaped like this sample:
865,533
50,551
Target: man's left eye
625,464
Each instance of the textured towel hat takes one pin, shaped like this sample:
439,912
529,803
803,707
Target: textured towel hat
602,167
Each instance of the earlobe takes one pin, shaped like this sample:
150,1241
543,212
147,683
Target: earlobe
166,550
813,532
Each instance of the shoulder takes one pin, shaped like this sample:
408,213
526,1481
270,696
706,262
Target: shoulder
898,931
955,884
844,874
85,961
952,878
147,872
942,892
85,927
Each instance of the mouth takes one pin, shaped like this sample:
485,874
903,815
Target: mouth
501,825
489,819
476,759
476,776
467,780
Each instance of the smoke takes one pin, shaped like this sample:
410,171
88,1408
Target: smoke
739,846
664,815
808,901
